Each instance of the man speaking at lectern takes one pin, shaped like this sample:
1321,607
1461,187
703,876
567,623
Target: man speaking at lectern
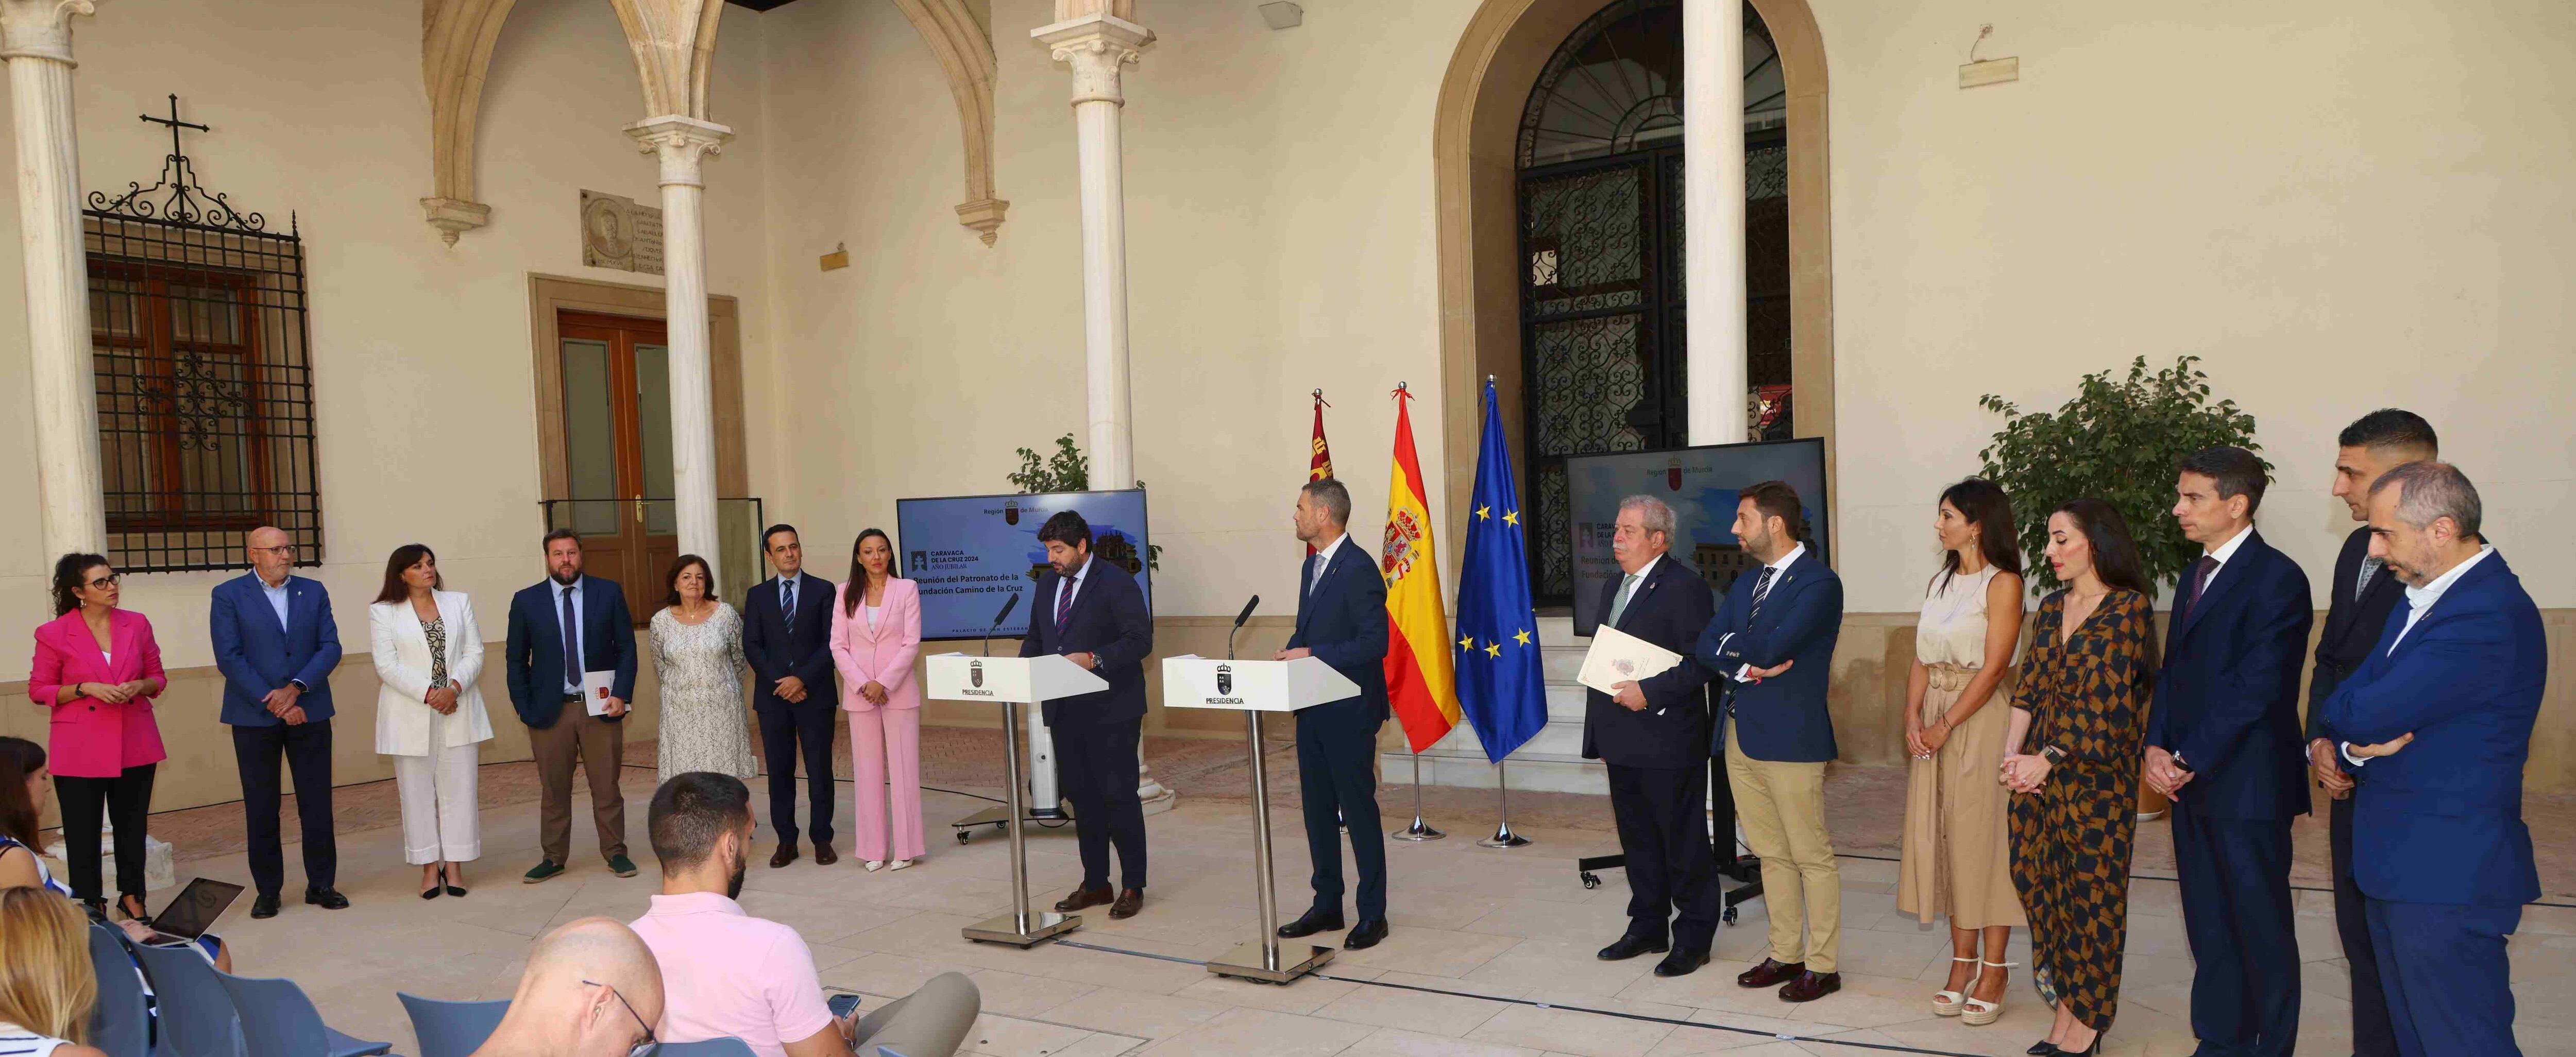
1341,620
1093,614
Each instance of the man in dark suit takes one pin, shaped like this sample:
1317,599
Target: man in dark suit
276,644
2223,740
2438,722
787,638
1093,614
1773,640
560,630
1653,735
2361,595
1341,619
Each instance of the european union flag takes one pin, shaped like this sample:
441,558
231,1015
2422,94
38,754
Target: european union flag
1499,683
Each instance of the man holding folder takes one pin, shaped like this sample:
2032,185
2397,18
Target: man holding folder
1653,735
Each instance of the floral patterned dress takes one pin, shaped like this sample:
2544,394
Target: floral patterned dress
704,727
2071,840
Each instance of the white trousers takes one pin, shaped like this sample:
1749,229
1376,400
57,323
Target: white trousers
439,811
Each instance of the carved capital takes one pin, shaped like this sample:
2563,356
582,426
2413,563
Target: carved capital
984,215
1096,47
40,29
682,142
454,216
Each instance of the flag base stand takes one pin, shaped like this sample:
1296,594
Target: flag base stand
1503,836
1419,830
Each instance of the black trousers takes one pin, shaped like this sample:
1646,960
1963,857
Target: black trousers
2372,1032
1096,765
2235,876
787,731
127,801
1337,777
1662,817
306,750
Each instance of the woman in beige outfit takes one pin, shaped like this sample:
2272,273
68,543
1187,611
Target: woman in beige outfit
1958,855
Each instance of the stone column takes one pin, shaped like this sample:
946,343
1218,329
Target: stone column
1097,45
682,144
1713,202
36,41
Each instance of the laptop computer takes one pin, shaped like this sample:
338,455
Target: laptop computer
190,913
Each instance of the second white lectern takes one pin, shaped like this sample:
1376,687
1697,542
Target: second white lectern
1255,687
1011,682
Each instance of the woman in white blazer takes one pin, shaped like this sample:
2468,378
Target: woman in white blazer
876,634
429,714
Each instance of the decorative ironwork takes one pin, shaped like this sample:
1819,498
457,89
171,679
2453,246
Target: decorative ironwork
1603,294
205,390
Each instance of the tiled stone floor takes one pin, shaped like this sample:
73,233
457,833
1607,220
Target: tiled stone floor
1490,955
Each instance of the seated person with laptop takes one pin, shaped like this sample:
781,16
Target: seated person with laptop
728,974
24,787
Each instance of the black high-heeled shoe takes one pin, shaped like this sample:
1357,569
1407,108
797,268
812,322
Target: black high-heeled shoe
2093,1050
435,885
452,889
2042,1048
132,907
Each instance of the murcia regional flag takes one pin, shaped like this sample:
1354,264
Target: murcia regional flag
1420,684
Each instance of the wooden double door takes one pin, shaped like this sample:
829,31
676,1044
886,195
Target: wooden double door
617,451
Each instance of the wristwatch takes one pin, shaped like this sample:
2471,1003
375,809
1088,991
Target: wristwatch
2053,755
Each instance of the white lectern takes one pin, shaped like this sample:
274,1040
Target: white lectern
1255,687
1011,682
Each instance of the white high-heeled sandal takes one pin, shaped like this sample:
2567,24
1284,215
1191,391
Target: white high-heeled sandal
1949,1003
1977,1011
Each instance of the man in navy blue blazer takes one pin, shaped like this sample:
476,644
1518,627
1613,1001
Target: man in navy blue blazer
787,640
1773,643
2224,741
562,629
1093,614
1341,619
276,644
2437,724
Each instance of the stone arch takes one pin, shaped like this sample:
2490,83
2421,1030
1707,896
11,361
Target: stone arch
455,50
1473,139
964,47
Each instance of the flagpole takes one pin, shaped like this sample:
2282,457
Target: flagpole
1419,830
1503,836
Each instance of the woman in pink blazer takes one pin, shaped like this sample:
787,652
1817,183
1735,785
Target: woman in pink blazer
97,670
876,633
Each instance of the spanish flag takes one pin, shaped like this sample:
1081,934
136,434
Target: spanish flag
1420,682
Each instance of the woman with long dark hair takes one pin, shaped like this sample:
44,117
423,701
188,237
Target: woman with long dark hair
429,714
2082,712
97,670
1957,858
697,656
876,633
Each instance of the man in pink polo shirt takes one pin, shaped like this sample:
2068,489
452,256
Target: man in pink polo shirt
724,972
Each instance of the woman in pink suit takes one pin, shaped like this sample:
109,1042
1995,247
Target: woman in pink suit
876,633
97,670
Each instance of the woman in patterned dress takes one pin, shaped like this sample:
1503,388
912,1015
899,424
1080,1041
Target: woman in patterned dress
697,654
429,714
2082,710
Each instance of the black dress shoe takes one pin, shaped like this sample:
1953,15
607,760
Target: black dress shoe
825,856
1313,922
1681,963
786,854
264,906
1085,897
1809,987
1771,972
1365,935
326,898
1630,946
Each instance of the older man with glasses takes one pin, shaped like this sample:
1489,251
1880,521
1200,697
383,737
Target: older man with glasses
591,989
276,645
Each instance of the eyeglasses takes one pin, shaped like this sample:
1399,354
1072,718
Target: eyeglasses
103,583
287,551
650,1044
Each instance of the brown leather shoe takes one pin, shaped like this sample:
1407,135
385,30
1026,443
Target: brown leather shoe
1771,973
825,856
786,854
1083,897
1809,987
1130,900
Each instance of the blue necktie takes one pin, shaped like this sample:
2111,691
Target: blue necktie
787,601
571,641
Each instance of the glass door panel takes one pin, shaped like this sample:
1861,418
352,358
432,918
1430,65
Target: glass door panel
617,451
590,439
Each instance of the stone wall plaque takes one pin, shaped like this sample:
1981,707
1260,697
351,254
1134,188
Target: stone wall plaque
618,234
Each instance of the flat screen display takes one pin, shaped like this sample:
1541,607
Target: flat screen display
1700,484
969,554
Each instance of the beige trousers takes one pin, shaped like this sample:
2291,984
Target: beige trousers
599,747
1782,809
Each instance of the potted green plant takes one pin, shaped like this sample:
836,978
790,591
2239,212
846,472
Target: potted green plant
1069,470
2116,440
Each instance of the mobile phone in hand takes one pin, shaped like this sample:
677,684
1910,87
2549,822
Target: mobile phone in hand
842,1004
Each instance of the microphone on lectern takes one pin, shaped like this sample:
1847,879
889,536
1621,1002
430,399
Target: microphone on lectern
1007,605
1239,618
